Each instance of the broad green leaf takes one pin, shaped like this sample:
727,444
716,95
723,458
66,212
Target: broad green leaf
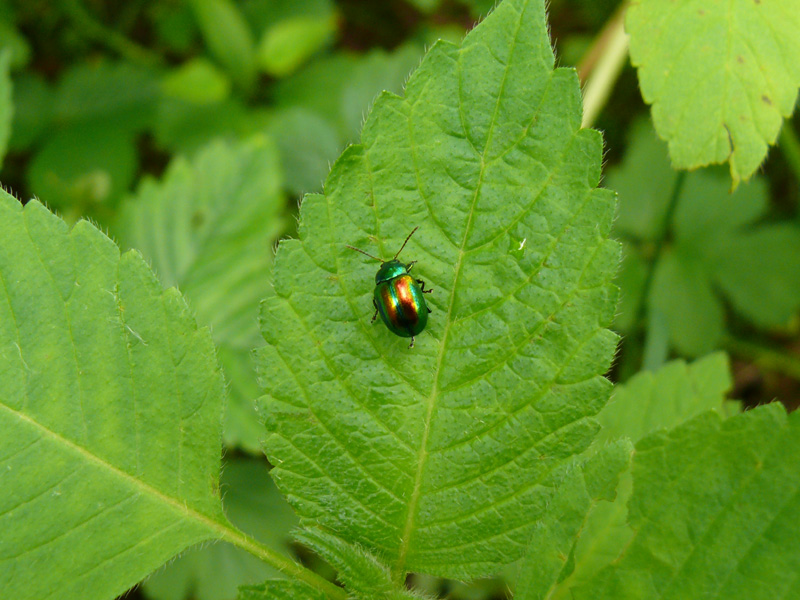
550,556
280,589
208,227
312,127
712,512
84,169
214,572
110,399
13,42
228,38
720,76
666,398
197,81
350,84
119,94
308,145
759,273
6,105
645,182
720,244
287,45
437,459
184,127
33,108
87,163
648,402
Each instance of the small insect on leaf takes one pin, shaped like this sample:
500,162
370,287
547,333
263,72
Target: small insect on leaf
398,296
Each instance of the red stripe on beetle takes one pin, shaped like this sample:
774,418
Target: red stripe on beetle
405,298
389,304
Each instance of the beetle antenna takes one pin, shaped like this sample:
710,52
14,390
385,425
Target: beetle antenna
365,253
404,243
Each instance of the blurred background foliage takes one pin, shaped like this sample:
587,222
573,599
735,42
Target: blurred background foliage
189,129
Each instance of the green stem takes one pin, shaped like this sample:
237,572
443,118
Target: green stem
601,66
765,357
632,358
659,245
93,29
281,562
790,147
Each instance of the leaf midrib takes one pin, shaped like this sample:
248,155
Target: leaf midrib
218,529
413,504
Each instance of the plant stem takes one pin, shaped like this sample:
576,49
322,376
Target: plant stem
632,357
790,147
281,562
765,357
95,30
602,64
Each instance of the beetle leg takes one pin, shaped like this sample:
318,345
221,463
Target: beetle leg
409,265
411,345
375,316
422,287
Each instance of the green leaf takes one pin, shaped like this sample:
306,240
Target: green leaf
308,145
759,272
184,127
720,76
682,292
228,38
646,403
712,512
550,556
110,399
6,106
673,394
214,572
364,576
197,81
13,42
208,227
122,95
33,109
288,44
350,83
721,245
84,168
280,589
436,459
645,182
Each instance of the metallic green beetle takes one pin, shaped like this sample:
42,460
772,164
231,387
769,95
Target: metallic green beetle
398,296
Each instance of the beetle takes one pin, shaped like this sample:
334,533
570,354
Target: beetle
398,296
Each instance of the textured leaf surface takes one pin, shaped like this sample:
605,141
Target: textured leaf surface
713,512
647,402
579,489
215,571
718,247
666,398
208,228
110,400
720,76
280,589
363,575
434,458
